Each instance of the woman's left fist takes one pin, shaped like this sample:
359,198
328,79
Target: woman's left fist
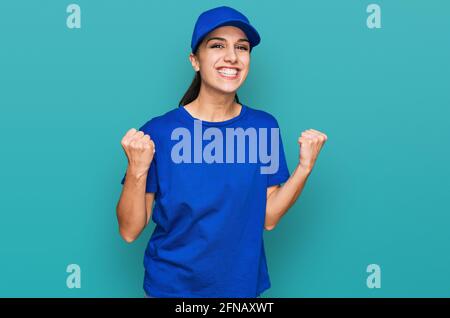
310,142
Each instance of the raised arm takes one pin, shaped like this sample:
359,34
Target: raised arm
135,205
281,198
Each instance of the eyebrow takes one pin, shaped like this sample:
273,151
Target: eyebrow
222,39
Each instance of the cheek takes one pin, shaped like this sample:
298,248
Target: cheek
246,63
244,71
210,65
210,71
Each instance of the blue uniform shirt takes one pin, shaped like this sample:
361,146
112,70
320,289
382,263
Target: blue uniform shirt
209,215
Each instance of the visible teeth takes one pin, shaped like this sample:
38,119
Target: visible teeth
228,71
227,75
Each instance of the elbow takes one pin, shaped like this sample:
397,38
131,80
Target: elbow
270,221
127,237
125,233
269,227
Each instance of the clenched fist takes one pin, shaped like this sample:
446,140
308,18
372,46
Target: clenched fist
139,149
311,142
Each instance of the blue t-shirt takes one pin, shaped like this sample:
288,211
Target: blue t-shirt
210,203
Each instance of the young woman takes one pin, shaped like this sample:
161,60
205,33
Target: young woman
216,171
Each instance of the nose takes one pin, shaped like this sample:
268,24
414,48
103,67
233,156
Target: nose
230,55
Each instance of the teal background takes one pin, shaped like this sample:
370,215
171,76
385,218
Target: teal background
378,193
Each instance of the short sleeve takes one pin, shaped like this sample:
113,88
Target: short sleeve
152,184
282,174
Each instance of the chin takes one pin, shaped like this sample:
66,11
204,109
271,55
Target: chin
228,89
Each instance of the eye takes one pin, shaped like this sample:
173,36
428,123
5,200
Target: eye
240,47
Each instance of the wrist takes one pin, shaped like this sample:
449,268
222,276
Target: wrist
305,169
136,172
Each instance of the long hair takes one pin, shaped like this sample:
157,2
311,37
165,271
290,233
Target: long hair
193,91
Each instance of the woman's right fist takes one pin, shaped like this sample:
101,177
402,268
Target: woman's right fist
139,149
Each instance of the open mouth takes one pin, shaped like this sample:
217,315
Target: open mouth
228,73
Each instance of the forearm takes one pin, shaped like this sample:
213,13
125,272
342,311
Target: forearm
281,199
131,212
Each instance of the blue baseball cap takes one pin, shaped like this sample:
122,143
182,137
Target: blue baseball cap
221,16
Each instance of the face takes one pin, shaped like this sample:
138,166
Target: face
223,59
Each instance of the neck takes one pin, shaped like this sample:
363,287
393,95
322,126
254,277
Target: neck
211,105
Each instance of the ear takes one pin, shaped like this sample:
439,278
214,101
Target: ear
194,62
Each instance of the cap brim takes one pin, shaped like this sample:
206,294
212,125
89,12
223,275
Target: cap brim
250,31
